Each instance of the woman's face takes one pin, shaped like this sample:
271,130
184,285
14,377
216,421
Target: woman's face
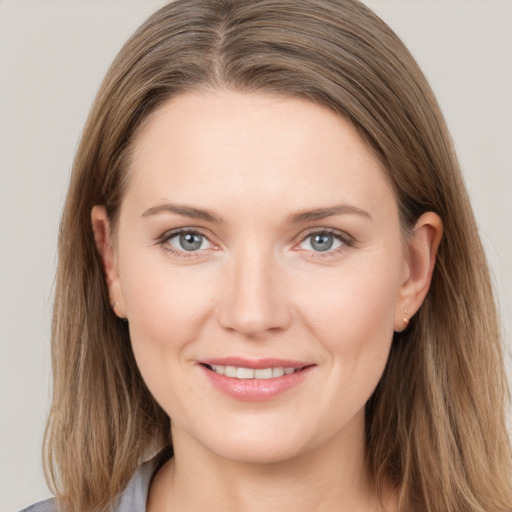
258,237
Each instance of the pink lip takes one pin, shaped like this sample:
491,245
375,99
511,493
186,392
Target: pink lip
255,390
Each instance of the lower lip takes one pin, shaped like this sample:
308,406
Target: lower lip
256,390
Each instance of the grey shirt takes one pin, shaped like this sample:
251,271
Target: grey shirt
132,499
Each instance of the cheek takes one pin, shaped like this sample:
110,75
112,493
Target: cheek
166,306
352,316
167,310
350,302
354,325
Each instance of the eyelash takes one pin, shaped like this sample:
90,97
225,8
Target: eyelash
164,239
345,239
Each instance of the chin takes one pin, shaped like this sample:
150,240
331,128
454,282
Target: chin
258,453
257,445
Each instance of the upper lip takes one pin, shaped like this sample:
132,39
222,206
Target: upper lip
256,364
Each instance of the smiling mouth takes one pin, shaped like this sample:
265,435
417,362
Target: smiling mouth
255,380
239,372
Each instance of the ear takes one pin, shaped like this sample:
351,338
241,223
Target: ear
421,258
103,239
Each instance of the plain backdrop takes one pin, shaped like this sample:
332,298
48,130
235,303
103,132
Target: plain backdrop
53,55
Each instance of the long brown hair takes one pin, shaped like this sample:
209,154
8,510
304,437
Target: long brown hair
435,425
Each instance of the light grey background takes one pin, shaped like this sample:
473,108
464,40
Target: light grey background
53,55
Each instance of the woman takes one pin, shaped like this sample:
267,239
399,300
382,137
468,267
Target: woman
268,262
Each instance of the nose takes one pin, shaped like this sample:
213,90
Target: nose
255,301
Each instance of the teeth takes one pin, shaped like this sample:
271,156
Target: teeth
264,373
229,371
279,372
244,373
249,373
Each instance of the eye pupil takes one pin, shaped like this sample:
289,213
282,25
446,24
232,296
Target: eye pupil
191,241
322,242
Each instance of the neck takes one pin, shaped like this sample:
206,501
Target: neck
331,477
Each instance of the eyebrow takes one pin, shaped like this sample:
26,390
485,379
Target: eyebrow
322,213
185,211
208,216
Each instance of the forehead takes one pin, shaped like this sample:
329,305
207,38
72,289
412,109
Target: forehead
224,144
219,117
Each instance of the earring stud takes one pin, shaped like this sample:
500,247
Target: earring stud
406,320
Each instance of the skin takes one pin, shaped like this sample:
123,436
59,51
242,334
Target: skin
257,287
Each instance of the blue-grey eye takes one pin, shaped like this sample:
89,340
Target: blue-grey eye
188,241
191,241
321,242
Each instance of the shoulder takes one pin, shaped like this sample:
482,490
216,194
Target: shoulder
134,496
132,499
43,506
